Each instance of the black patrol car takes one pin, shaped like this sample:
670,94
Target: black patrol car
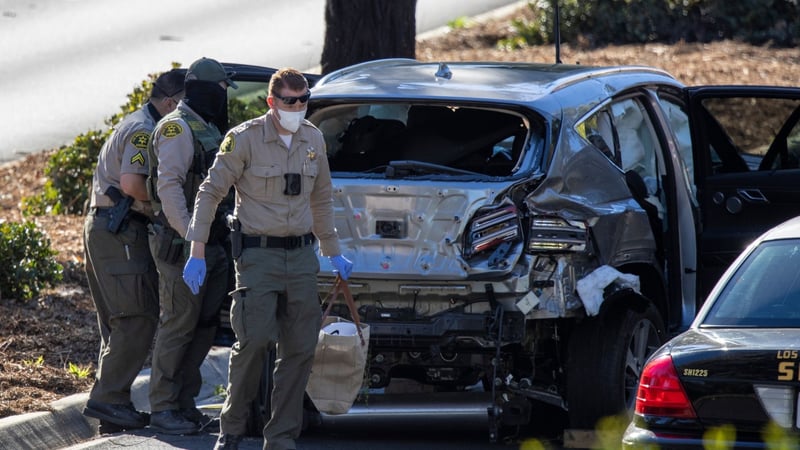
732,379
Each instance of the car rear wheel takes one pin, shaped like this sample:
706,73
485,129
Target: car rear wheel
606,357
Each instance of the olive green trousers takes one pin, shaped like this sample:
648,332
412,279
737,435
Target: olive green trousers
124,285
186,328
275,303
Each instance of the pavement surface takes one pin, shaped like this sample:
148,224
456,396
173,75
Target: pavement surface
65,427
68,65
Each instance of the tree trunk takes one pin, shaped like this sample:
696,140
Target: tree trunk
363,30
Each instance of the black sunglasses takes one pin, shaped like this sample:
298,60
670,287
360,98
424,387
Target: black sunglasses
292,100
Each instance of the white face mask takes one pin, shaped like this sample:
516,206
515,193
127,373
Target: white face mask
291,120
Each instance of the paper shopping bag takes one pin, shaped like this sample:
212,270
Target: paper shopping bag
339,362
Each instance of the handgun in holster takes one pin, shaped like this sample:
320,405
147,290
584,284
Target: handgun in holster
118,213
170,245
236,235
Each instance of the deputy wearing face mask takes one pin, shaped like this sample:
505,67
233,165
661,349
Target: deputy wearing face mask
284,204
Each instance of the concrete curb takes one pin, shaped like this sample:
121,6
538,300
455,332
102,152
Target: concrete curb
64,425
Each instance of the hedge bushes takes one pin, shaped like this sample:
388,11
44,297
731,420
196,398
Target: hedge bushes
70,168
601,22
27,262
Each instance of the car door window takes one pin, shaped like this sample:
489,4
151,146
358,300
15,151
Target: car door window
678,121
247,102
746,131
624,133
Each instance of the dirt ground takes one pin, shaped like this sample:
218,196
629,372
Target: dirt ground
40,339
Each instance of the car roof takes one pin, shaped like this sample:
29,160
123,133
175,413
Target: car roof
248,72
482,81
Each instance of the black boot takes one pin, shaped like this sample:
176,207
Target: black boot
172,422
206,423
122,415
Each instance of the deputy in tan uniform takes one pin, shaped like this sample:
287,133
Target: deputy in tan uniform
278,167
183,146
122,277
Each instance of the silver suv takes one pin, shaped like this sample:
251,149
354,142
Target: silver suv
531,233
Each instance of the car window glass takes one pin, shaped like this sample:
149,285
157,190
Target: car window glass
784,152
246,102
624,133
742,130
598,129
793,145
678,121
764,291
368,138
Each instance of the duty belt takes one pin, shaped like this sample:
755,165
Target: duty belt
132,215
286,242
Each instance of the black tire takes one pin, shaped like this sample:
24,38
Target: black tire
605,358
260,409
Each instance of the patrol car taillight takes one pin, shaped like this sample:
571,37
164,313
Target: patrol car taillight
661,393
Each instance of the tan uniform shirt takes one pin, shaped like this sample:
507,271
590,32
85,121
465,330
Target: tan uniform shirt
125,151
173,145
254,160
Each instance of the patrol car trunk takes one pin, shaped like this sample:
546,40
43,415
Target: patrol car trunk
753,381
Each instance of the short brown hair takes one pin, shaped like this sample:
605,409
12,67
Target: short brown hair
289,78
168,84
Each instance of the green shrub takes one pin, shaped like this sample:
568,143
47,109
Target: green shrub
538,29
240,110
26,261
603,22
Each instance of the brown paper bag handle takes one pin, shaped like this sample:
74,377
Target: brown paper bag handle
340,287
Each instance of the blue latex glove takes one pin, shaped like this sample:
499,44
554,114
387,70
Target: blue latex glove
341,265
194,273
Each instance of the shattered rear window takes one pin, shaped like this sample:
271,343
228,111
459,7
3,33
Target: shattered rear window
412,140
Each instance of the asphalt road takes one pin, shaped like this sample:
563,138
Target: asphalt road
423,434
349,439
67,65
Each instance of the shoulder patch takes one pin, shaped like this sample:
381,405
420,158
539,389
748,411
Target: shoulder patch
171,130
138,158
228,144
140,140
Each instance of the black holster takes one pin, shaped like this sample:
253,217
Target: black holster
170,245
118,213
218,232
236,235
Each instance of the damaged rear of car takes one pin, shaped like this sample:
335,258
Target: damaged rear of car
473,200
530,233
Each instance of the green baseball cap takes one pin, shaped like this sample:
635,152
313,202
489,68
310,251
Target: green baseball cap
208,69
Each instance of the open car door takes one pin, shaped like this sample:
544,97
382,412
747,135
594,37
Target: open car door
746,142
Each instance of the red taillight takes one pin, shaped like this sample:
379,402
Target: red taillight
660,392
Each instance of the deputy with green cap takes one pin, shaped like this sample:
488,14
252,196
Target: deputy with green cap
183,146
